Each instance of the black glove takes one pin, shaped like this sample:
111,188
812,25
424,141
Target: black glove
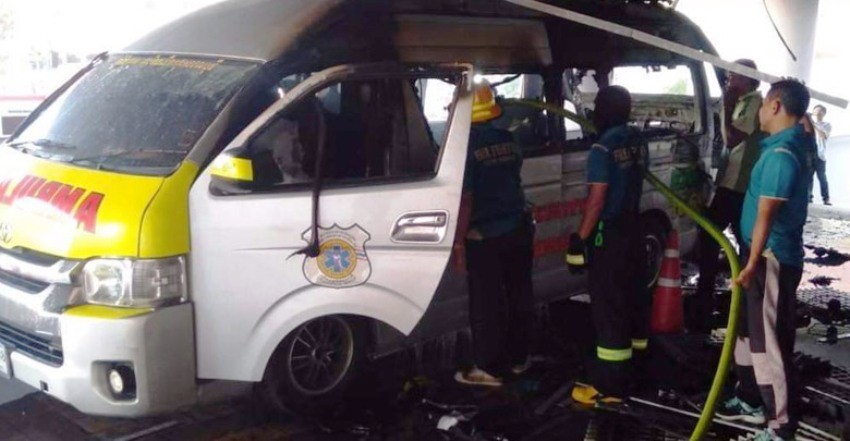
576,256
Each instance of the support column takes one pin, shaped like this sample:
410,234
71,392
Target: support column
797,22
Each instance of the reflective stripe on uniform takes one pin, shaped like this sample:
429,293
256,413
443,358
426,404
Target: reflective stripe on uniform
613,354
640,344
575,259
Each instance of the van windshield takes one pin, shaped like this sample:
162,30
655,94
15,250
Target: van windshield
134,114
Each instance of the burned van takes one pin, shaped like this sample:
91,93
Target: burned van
267,191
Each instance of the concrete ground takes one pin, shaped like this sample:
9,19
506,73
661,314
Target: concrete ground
828,228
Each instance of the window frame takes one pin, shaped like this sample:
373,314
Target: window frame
700,97
698,92
553,145
326,78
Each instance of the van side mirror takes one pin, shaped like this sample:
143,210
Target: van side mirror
239,170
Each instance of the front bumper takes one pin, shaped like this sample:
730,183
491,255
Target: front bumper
159,345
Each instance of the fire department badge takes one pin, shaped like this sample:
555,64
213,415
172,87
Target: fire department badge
342,261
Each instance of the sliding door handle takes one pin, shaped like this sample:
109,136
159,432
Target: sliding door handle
421,227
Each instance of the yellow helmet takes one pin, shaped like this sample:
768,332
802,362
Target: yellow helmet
484,107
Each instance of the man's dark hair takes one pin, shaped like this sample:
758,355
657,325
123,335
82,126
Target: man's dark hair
613,106
754,84
793,95
818,106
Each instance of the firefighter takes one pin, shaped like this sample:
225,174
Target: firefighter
496,232
610,244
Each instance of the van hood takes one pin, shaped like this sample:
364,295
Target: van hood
67,211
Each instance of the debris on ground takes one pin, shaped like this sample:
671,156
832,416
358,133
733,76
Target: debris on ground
822,280
827,256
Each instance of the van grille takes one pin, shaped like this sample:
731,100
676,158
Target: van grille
30,256
36,347
22,283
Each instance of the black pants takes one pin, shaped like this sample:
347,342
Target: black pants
820,171
501,300
620,301
724,211
765,346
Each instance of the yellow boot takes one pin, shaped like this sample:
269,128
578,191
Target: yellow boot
587,395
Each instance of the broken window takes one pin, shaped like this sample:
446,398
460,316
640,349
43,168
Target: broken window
374,130
662,96
528,125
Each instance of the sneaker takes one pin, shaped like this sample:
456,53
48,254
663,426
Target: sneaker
737,410
770,435
519,369
827,203
587,395
477,377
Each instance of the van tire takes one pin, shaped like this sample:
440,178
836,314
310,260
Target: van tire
655,230
313,367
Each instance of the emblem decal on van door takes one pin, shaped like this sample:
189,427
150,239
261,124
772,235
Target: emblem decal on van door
342,261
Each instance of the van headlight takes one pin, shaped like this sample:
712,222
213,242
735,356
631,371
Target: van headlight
135,283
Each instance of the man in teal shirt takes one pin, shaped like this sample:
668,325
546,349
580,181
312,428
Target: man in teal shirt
775,210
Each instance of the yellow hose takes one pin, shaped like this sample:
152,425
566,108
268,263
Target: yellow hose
729,342
707,415
585,124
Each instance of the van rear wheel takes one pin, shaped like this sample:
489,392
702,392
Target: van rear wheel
654,239
313,366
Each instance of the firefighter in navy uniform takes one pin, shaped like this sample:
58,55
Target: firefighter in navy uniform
609,243
496,236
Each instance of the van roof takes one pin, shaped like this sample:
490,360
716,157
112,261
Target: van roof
256,29
338,31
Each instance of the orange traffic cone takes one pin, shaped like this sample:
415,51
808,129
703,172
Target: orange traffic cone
667,309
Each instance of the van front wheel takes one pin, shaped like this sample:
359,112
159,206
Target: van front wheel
313,366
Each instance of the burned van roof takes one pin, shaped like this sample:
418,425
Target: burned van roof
258,29
339,31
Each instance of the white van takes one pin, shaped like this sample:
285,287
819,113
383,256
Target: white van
161,223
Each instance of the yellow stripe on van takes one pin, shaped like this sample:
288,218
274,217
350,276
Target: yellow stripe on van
69,211
106,312
165,227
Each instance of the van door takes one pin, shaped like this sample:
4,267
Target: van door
387,211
